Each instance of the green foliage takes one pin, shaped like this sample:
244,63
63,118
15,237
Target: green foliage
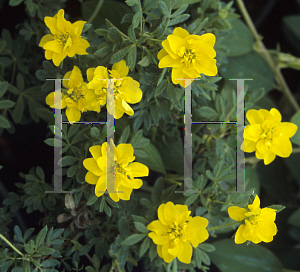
112,236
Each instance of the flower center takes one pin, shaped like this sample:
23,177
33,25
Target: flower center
177,231
254,220
188,56
75,94
62,37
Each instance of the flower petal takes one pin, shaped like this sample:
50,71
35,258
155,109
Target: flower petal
121,68
276,114
158,239
250,146
253,117
91,178
168,61
180,32
100,186
138,170
287,129
239,237
282,146
252,132
162,53
186,254
236,213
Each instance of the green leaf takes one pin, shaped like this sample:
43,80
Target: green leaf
46,250
3,88
138,140
6,104
208,112
278,208
67,160
179,11
179,19
136,19
153,161
133,239
111,10
230,257
96,262
131,34
292,23
250,65
124,136
132,2
14,3
18,234
238,40
141,227
161,87
131,58
92,200
144,246
41,236
2,45
101,32
20,82
123,227
50,263
103,52
144,61
140,219
163,8
120,55
191,199
157,191
207,247
18,110
296,120
107,210
294,218
4,123
174,95
140,153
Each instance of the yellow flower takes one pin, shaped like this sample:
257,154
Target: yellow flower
188,55
125,171
267,135
175,231
64,40
73,98
258,224
126,90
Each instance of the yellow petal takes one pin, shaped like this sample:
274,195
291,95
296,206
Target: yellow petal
237,213
53,100
176,248
162,53
45,39
82,45
253,117
48,54
54,46
252,132
268,214
176,42
57,58
125,153
169,212
158,239
91,178
75,76
186,254
168,61
138,170
51,24
166,255
166,46
158,227
239,238
250,146
269,158
208,38
60,20
127,108
276,114
177,74
100,186
266,114
180,32
95,151
126,192
91,165
255,206
73,114
121,68
288,129
282,146
78,26
161,216
262,147
159,251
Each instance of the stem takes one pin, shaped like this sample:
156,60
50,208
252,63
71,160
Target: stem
96,11
224,226
11,245
264,52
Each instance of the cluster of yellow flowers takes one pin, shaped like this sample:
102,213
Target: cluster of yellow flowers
81,96
175,232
